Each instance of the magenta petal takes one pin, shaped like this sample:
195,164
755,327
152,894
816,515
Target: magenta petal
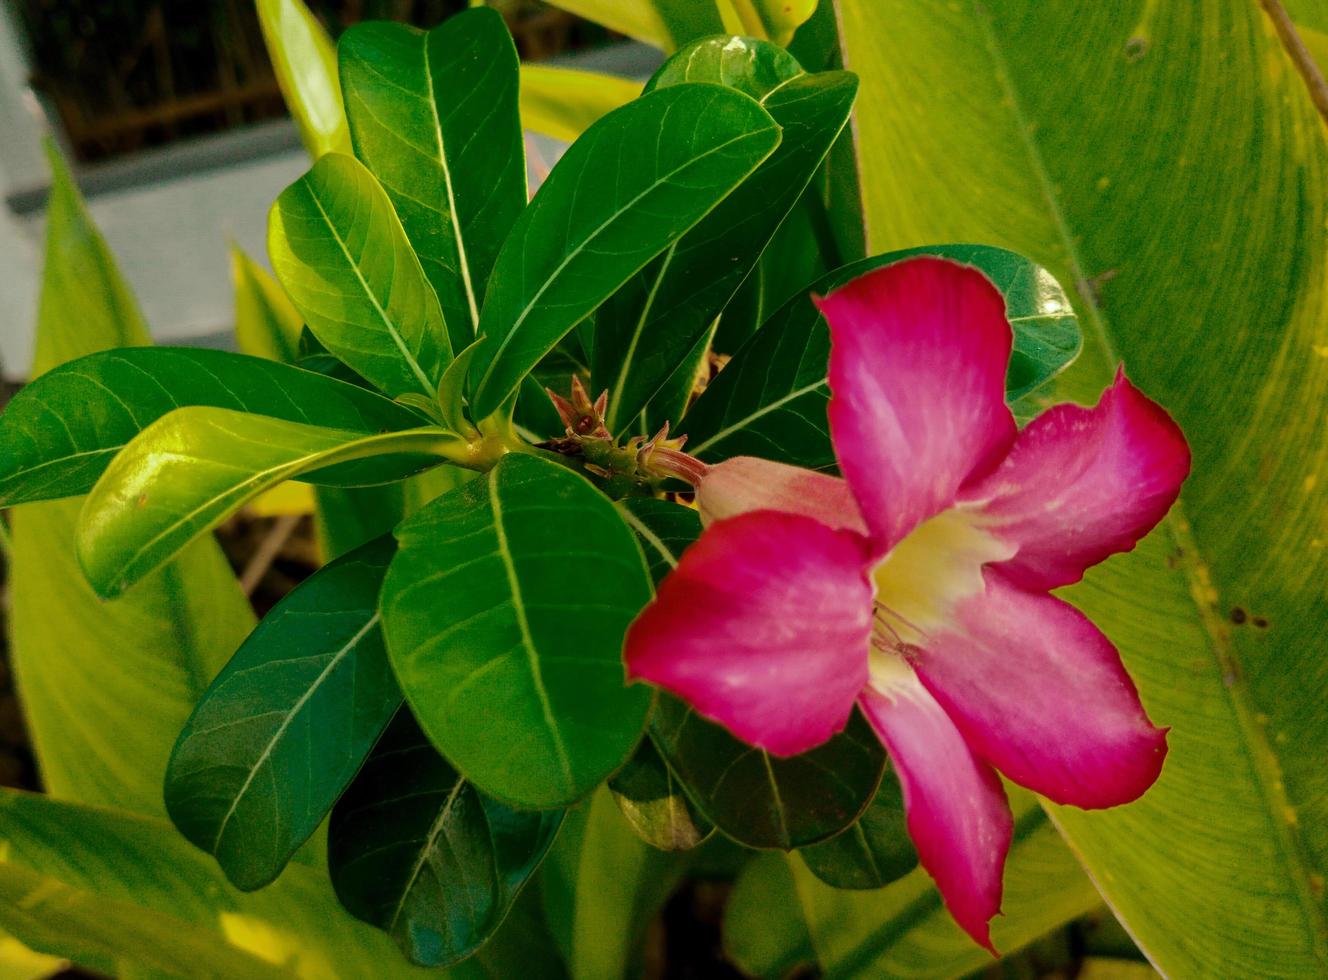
746,483
762,627
917,379
957,813
1081,484
1042,695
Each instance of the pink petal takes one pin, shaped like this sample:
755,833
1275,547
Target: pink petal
957,813
1083,483
917,379
762,627
746,483
1042,695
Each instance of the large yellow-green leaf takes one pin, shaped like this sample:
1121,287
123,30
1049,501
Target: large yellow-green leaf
1167,159
305,61
126,896
105,687
563,102
666,24
266,322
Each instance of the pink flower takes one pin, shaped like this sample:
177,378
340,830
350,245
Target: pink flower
918,585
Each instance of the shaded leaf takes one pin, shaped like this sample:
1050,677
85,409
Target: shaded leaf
287,723
770,400
765,933
505,628
305,62
414,849
434,118
60,432
873,852
646,330
627,189
340,252
189,470
655,805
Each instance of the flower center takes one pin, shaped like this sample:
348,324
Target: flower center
920,583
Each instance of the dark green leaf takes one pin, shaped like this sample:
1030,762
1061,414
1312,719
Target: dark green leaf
338,248
627,189
875,851
434,118
192,468
61,431
504,613
770,400
654,803
757,799
649,327
416,850
287,723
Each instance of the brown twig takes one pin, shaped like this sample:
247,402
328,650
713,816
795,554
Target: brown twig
1299,54
267,552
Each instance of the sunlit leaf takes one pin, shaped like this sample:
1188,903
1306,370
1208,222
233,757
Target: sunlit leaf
266,323
305,62
563,102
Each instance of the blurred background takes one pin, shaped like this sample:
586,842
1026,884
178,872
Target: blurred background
170,115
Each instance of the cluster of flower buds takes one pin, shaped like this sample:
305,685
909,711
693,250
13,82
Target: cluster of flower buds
638,464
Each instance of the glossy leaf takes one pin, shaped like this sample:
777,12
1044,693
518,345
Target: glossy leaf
84,668
60,432
564,102
905,930
415,850
770,400
1072,116
873,852
434,118
305,62
649,327
266,323
653,802
756,798
189,470
126,896
765,933
601,887
287,723
505,629
338,248
656,166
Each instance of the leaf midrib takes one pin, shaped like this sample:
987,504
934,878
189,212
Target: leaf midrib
1258,748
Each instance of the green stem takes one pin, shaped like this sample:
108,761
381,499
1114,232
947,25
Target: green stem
6,543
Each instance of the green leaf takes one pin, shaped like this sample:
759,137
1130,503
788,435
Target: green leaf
770,400
191,469
266,323
85,668
287,723
655,805
305,62
341,253
649,327
874,851
905,930
85,303
631,186
60,432
601,887
756,798
666,24
126,896
564,102
1072,122
434,118
505,628
415,850
773,19
765,933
